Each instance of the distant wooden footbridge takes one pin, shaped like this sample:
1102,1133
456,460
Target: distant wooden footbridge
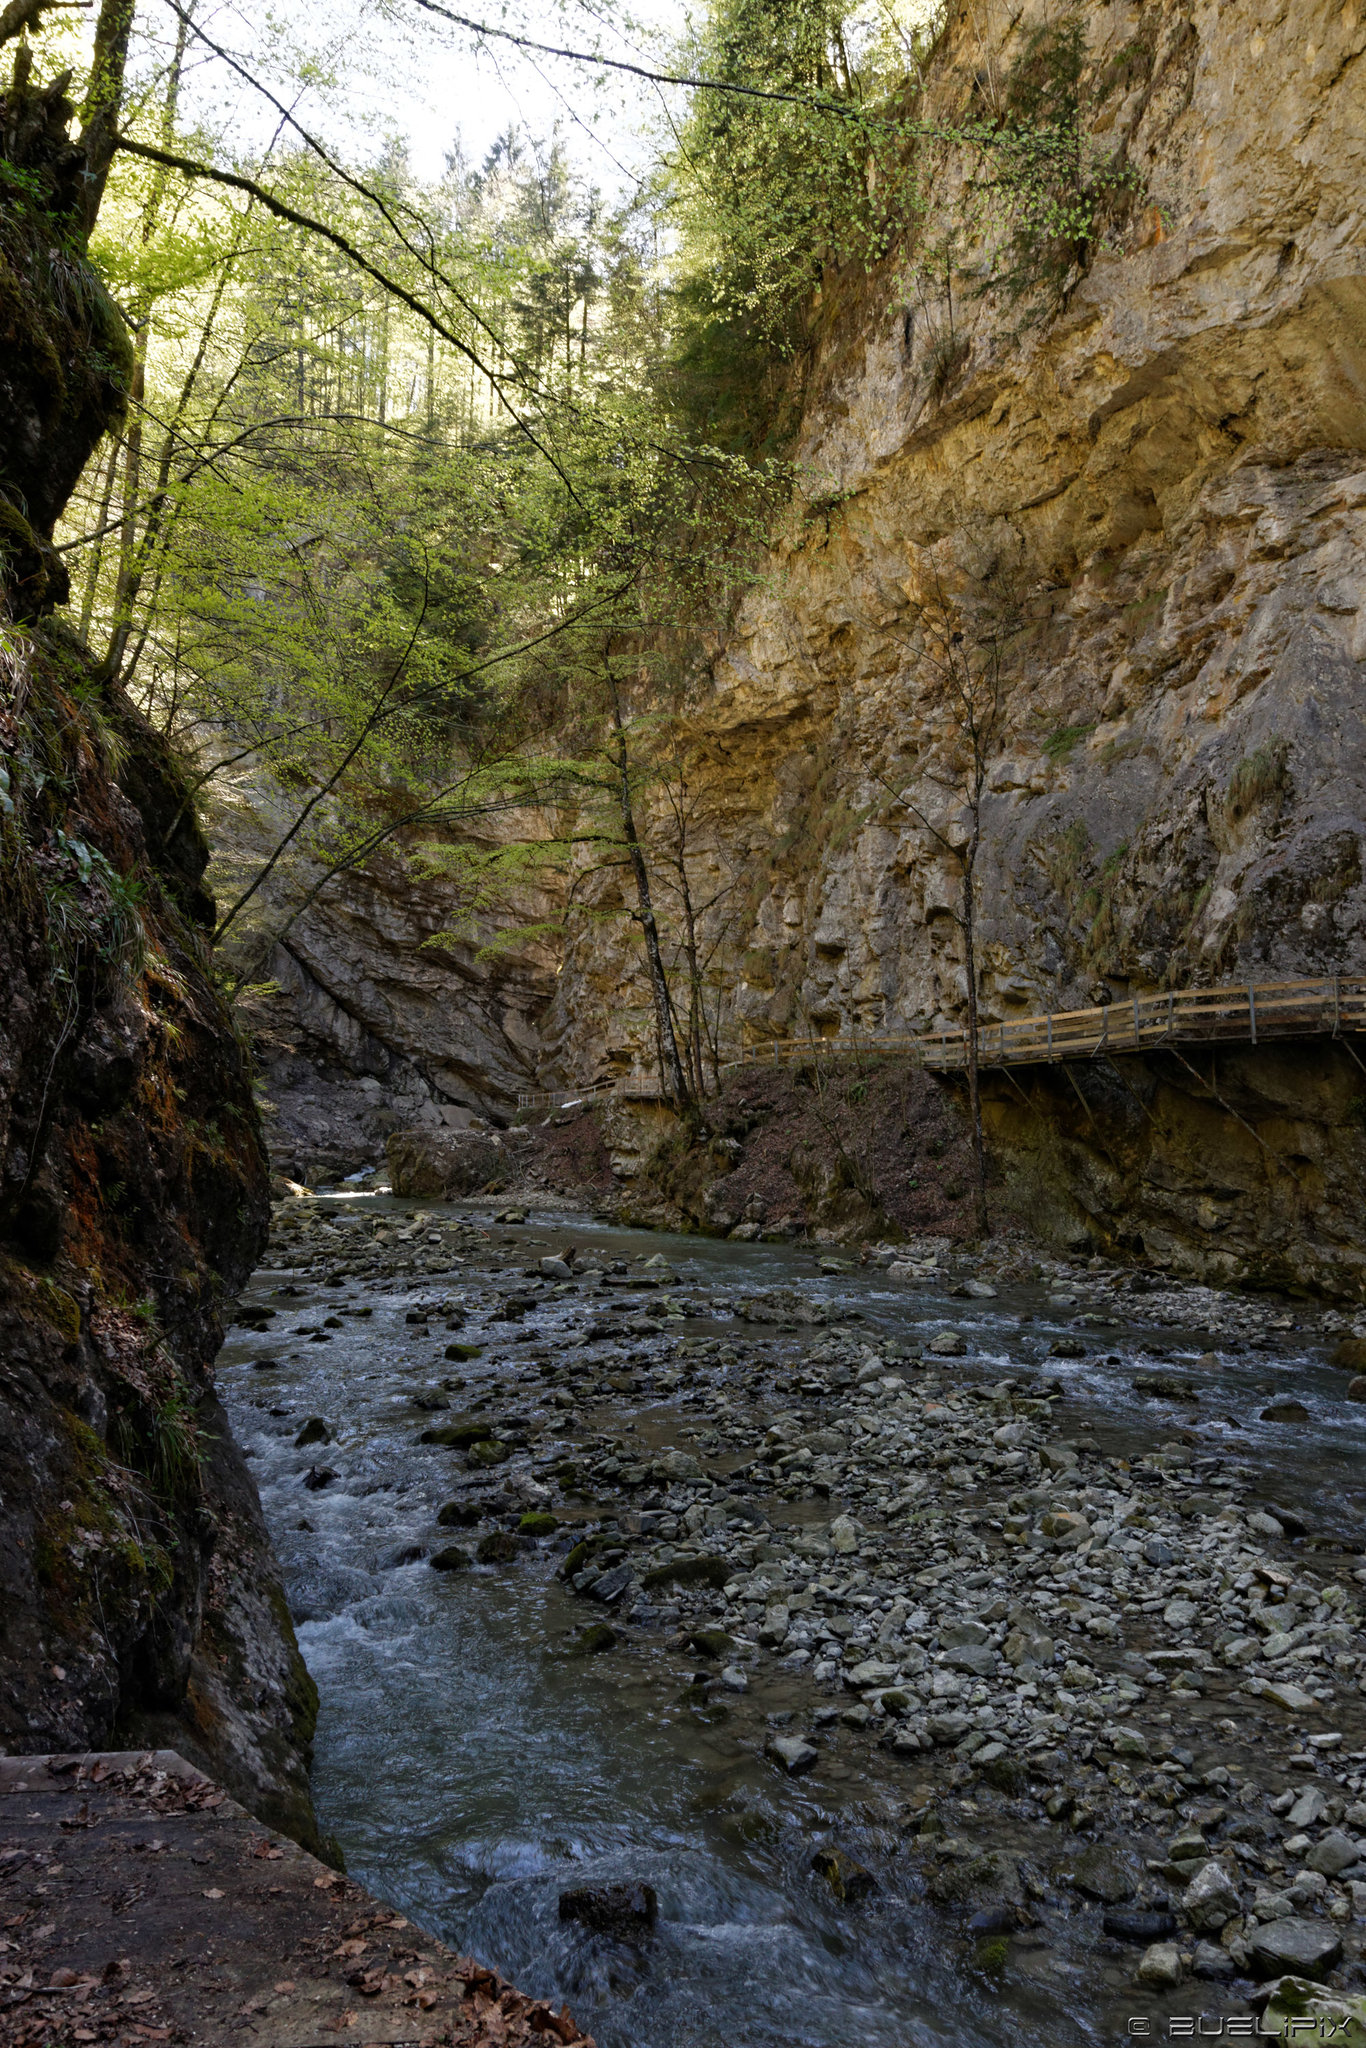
1247,1014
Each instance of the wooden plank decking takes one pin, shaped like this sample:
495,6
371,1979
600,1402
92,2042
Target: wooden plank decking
1243,1014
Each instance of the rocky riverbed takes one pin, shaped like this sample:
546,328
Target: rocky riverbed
992,1628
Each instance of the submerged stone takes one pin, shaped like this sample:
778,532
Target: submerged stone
626,1910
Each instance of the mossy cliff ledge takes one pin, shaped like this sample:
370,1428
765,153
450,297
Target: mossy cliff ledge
139,1599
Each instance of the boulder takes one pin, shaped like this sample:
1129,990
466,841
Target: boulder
849,1881
1306,1948
1160,1966
1349,1354
1135,1923
793,1754
1334,1854
443,1163
451,1559
1099,1873
596,1637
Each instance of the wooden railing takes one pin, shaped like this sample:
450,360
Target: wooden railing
1247,1014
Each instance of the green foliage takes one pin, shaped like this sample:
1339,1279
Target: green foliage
1061,742
160,1436
1257,779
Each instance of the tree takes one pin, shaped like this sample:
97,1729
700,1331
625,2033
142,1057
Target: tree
962,626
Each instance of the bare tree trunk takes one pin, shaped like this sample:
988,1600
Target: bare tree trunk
671,1065
92,573
974,1083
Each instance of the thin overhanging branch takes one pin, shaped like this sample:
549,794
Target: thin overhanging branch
192,168
324,789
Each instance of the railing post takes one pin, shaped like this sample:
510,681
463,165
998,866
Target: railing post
1049,1022
1252,1012
1336,1007
1137,1039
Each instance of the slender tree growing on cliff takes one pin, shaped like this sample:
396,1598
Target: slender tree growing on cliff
959,634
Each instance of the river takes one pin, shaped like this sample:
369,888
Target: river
471,1771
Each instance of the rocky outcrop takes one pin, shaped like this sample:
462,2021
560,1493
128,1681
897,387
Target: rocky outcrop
452,1164
139,1595
139,1599
369,1015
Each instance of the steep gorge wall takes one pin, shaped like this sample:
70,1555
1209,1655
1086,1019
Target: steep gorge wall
1175,464
139,1598
1172,462
1179,459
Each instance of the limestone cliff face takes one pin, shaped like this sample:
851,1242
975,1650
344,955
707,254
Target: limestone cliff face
1177,460
1172,464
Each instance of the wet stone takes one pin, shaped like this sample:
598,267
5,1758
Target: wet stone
848,1880
1160,1967
1308,1948
624,1910
450,1559
1136,1924
458,1514
1100,1873
793,1754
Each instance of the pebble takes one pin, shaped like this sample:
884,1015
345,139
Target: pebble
1160,1966
793,1754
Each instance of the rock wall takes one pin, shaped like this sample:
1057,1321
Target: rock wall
1175,462
362,1026
139,1599
1168,469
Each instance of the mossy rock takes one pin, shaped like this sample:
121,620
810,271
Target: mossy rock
1008,1774
954,1882
457,1514
590,1641
580,1554
58,1308
451,1559
538,1525
489,1452
499,1547
463,1351
711,1642
848,1880
690,1571
1340,2016
991,1955
459,1436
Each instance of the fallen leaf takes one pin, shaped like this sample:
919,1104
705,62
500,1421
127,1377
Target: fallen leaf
214,1893
287,1984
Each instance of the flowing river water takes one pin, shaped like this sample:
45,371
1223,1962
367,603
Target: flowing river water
472,1771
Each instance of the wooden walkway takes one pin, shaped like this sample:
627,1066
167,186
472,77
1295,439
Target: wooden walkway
1248,1014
